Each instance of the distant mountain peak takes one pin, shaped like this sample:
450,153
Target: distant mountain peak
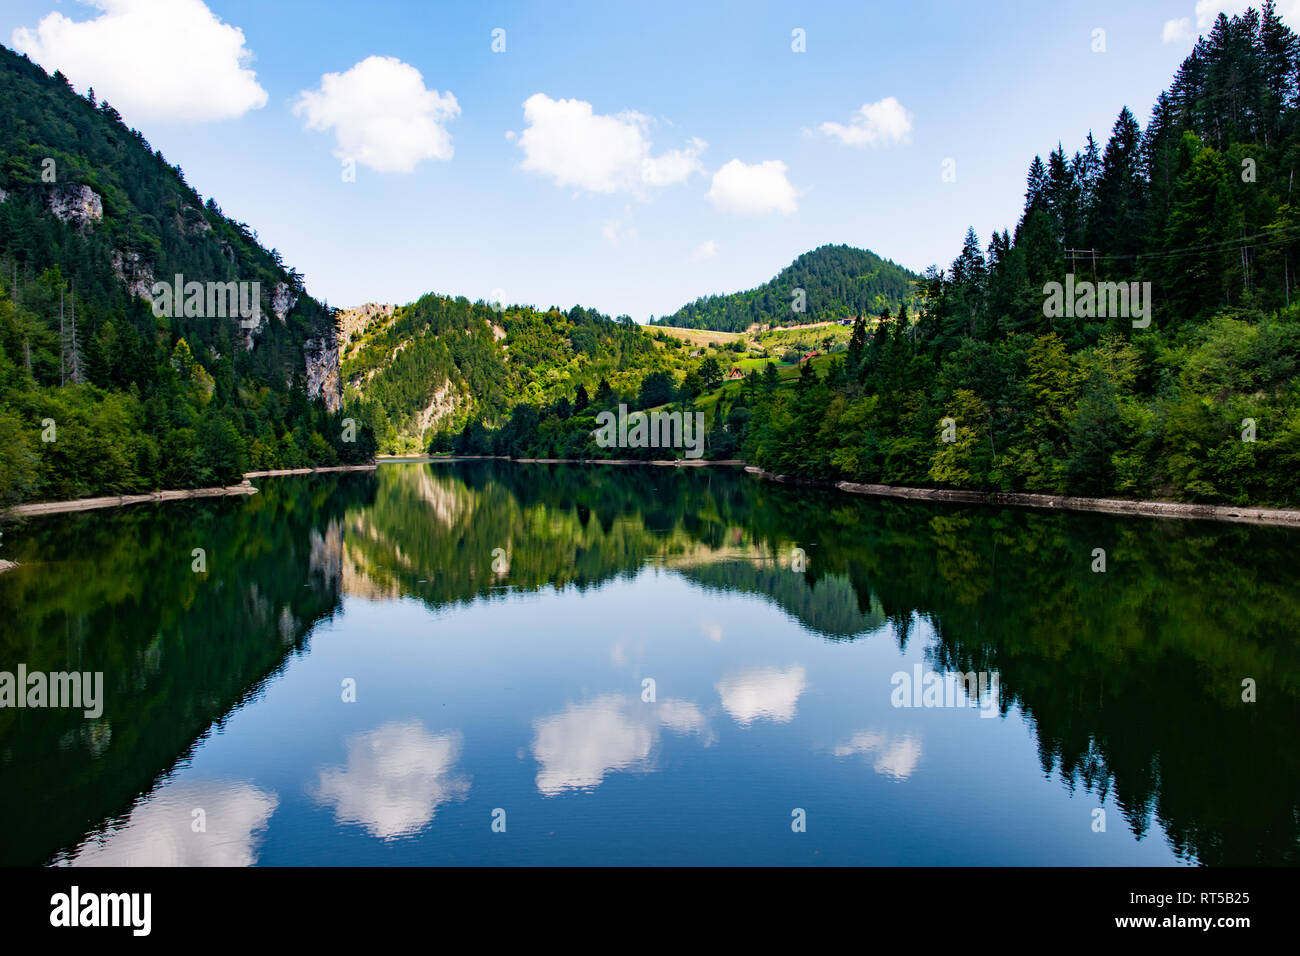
828,283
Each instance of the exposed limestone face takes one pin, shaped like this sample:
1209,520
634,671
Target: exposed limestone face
282,300
134,273
247,333
191,221
79,205
498,333
3,195
355,322
321,357
444,402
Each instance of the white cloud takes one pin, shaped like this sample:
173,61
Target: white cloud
576,748
160,828
895,757
674,166
874,124
395,779
601,153
763,693
1175,30
684,717
753,190
151,59
381,114
707,250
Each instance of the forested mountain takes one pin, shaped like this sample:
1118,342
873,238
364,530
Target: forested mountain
1169,373
976,376
424,372
838,282
994,387
90,217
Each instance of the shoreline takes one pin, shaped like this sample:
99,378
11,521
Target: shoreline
117,501
658,462
245,488
1282,517
283,472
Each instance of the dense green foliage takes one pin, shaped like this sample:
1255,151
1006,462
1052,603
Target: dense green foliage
1188,394
438,365
179,650
987,391
137,401
838,282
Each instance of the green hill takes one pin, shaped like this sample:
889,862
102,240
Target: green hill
424,371
90,217
838,282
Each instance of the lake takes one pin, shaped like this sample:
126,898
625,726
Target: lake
498,663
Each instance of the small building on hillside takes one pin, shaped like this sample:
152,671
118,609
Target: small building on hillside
735,374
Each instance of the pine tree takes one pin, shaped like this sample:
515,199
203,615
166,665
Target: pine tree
1118,219
1036,186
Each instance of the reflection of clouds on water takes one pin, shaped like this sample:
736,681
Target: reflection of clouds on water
394,780
763,693
578,746
895,757
160,828
683,717
712,631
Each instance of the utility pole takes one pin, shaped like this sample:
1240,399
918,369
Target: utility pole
76,358
1074,253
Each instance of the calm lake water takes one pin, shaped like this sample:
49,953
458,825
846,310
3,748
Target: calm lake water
646,666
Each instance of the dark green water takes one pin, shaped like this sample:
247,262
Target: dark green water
520,694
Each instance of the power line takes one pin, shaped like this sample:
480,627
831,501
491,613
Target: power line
1273,237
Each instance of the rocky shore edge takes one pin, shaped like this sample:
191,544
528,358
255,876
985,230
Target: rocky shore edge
1116,506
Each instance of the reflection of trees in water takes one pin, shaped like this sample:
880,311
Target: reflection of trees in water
1131,677
114,592
828,606
559,526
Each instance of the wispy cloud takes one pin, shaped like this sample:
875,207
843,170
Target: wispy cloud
881,123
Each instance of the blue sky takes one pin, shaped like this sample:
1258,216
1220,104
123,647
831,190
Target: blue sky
670,151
